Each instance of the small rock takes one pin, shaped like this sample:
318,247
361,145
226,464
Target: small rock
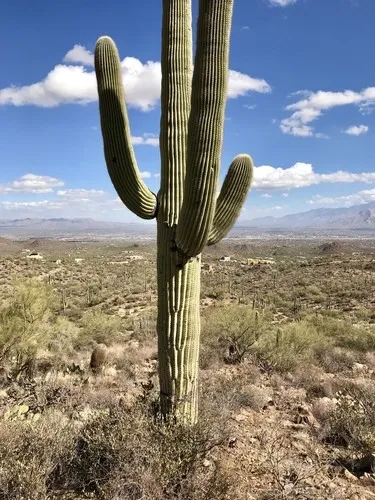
206,463
359,368
232,442
239,418
304,416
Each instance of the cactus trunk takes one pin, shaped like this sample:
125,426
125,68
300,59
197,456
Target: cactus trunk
188,215
178,329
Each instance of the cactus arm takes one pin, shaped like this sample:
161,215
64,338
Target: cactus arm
206,123
232,196
176,69
118,149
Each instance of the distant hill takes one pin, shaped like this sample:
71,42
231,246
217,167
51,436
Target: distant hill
358,217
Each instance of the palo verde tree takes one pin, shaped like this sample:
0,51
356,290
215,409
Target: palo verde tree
188,212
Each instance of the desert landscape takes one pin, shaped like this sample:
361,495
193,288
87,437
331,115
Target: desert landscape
287,399
187,258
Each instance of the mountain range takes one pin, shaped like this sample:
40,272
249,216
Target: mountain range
355,218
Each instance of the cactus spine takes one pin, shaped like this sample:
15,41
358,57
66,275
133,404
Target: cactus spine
189,216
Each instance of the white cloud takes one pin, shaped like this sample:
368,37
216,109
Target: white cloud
364,196
282,3
146,140
302,175
31,183
240,84
313,105
98,208
71,83
145,174
79,54
79,194
17,205
356,130
266,195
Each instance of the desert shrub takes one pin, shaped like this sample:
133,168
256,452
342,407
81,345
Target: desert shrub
109,452
352,423
231,331
144,326
291,346
335,359
29,452
99,328
25,323
228,391
128,454
345,334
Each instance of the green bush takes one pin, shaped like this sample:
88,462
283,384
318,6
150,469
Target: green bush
25,323
344,334
98,327
231,331
293,345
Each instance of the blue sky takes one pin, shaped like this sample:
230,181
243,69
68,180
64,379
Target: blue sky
301,100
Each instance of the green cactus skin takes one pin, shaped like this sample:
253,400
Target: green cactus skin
189,216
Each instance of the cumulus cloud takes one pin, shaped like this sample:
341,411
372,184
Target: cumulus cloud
240,84
79,55
282,3
356,130
76,202
313,105
303,175
145,140
365,196
31,183
79,194
74,82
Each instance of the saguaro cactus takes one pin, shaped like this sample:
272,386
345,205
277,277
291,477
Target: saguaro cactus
189,215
